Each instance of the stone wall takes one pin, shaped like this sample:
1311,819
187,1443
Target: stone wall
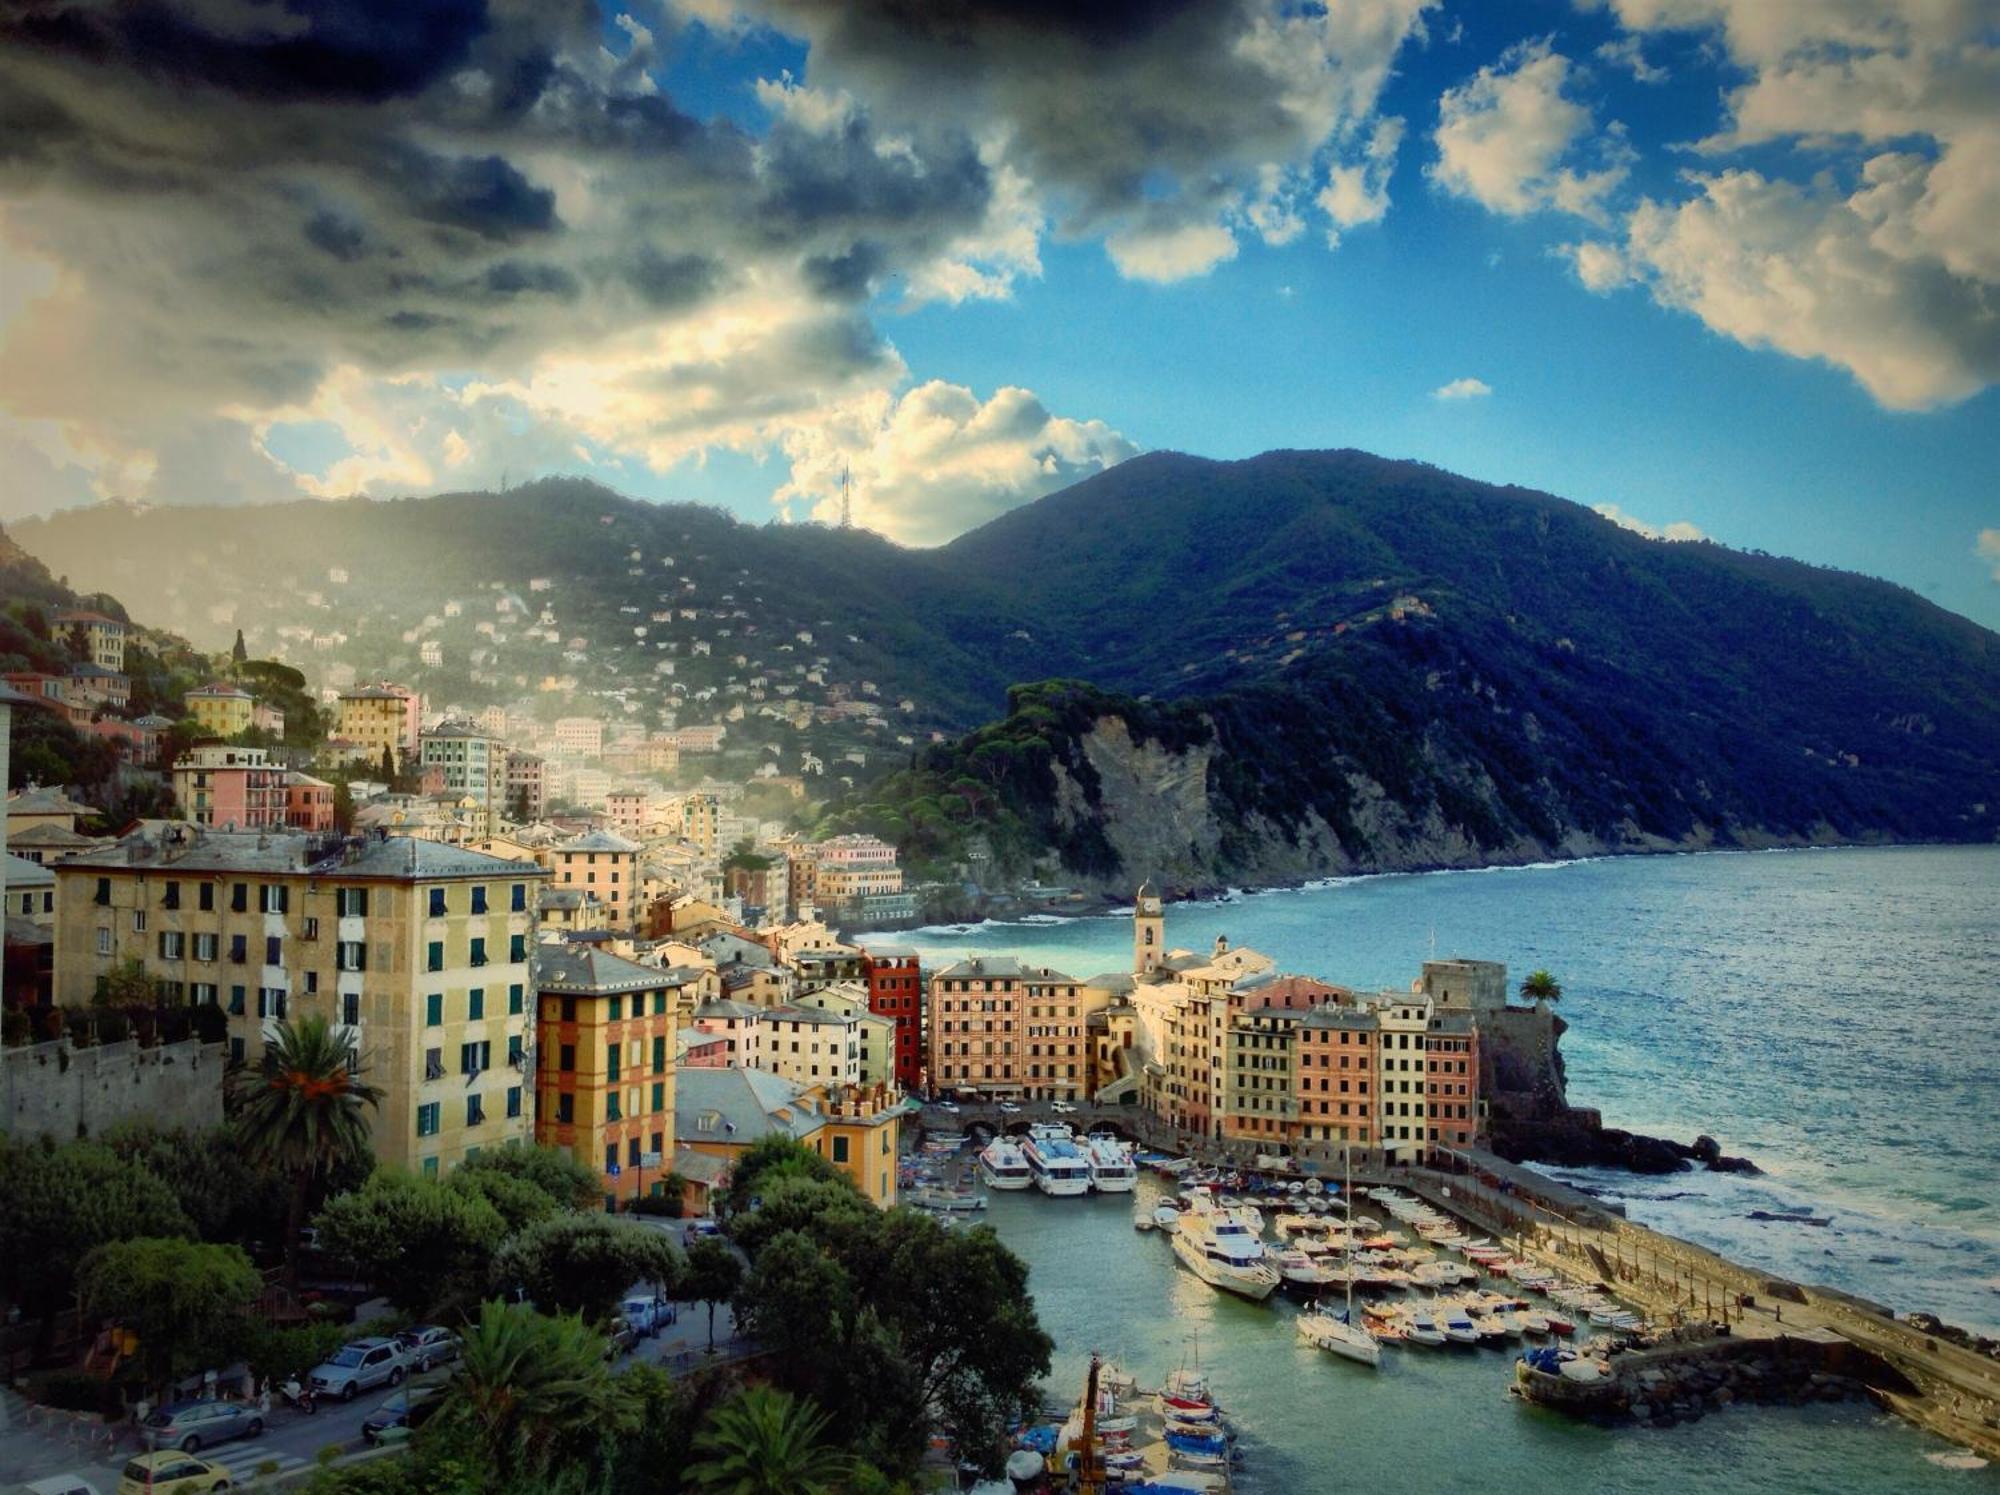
53,1090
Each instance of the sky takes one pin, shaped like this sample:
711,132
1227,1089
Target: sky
1720,268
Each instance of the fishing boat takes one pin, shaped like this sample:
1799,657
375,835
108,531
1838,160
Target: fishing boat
1002,1166
1217,1249
1055,1163
1111,1170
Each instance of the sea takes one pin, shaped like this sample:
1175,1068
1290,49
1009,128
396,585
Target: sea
1833,1015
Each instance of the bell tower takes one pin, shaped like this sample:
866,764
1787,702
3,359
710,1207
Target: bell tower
1149,930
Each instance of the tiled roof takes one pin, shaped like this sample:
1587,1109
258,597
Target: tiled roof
744,1104
599,841
1002,967
578,968
44,799
395,858
22,873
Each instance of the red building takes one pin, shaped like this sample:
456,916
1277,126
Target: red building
308,802
896,990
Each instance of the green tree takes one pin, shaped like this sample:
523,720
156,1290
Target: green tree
301,1111
60,1202
126,984
553,1170
534,1392
424,1243
766,1442
237,652
186,1301
1540,986
583,1263
772,1156
712,1275
223,1193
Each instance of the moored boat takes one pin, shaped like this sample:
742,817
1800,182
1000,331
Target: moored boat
1217,1249
1002,1166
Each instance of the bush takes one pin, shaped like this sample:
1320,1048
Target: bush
16,1028
273,1353
211,1023
667,1205
76,1391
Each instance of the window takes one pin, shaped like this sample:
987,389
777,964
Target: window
475,1110
659,1004
611,1109
437,903
616,1010
207,897
138,921
659,1053
274,898
236,1047
478,952
103,940
351,903
270,1001
350,1008
351,955
840,1149
479,898
632,1152
514,1000
170,896
239,897
659,1095
239,949
204,946
612,1056
427,1121
475,1005
274,950
569,1009
311,928
566,1057
519,903
611,1157
430,1167
565,1108
312,982
513,1101
434,1064
517,948
475,1058
434,1009
236,1000
515,1052
103,895
434,956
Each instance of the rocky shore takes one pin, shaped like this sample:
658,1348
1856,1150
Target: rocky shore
1682,1390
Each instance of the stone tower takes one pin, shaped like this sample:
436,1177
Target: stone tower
1149,930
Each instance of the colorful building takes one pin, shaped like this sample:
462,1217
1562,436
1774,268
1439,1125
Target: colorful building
308,802
604,865
233,788
420,950
221,710
721,1112
1335,1074
896,991
103,637
473,764
380,718
1003,1029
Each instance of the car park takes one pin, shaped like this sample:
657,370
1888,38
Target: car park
402,1414
427,1345
360,1365
171,1473
194,1425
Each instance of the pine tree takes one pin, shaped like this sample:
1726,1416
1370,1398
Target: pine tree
237,653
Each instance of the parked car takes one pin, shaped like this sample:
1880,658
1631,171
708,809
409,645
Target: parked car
427,1345
1008,1108
699,1228
948,1105
192,1426
360,1365
647,1316
1063,1108
55,1484
171,1474
402,1414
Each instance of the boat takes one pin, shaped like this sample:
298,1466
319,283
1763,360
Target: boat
1421,1328
1111,1170
1300,1273
1167,1216
1217,1249
1055,1163
1333,1333
954,1201
1186,1408
1002,1166
1457,1327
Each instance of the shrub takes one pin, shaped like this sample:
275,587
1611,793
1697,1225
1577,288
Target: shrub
76,1391
667,1205
16,1028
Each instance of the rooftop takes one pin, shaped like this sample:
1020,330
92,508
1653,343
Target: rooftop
1004,968
579,968
599,841
22,873
738,1106
388,859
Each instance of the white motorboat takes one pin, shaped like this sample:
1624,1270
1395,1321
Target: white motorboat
1421,1328
1055,1163
1217,1249
1333,1333
1166,1217
1002,1166
1301,1273
1111,1170
1457,1327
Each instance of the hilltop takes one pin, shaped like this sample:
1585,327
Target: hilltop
1299,662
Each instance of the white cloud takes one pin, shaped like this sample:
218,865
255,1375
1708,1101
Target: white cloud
937,461
1463,389
1170,252
1600,266
1625,53
1503,138
1988,549
1865,233
1357,192
1679,530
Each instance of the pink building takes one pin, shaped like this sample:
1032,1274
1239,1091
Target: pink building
308,803
231,786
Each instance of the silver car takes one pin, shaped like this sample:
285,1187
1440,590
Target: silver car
361,1365
427,1345
194,1425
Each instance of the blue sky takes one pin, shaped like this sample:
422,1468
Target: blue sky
1731,265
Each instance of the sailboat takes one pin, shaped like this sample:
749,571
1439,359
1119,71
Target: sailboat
1341,1334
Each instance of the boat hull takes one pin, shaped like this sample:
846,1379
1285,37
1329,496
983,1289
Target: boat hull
1254,1285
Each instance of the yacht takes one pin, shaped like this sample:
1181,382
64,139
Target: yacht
1055,1162
1002,1165
1218,1250
1111,1170
1332,1332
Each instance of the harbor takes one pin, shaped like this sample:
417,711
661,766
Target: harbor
1648,1364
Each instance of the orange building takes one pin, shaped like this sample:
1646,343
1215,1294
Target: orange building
1336,1074
1451,1078
1004,1029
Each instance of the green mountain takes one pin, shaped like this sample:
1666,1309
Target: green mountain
1302,662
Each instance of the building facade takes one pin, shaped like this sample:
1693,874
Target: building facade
896,991
380,718
604,865
1002,1029
231,788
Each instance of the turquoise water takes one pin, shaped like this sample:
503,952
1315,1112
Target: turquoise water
1833,1015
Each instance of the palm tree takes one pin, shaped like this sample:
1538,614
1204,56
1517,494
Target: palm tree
767,1443
534,1390
1540,986
301,1110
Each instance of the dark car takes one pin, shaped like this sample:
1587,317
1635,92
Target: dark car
402,1414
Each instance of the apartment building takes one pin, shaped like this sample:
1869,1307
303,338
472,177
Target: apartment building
421,949
1335,1072
380,718
895,981
102,636
605,865
221,710
527,787
1451,1078
580,737
232,788
472,762
1004,1029
608,1038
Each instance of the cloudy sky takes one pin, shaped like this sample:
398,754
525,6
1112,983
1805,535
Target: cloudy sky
1723,267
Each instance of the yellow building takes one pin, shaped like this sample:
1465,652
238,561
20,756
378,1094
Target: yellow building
608,1031
421,949
221,710
604,865
103,636
379,717
721,1112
